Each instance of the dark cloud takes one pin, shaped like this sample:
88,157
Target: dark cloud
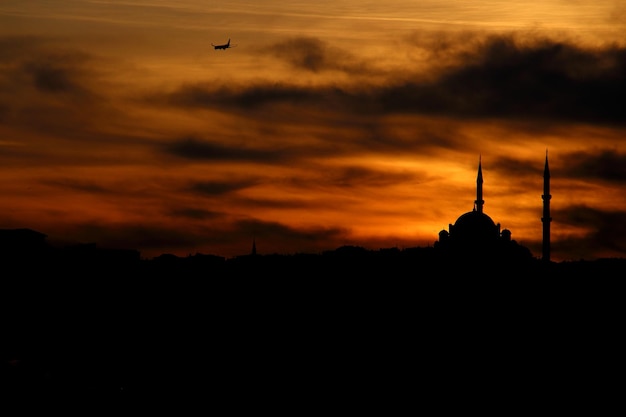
521,174
441,136
85,186
276,102
307,53
55,91
233,96
283,202
52,79
216,188
315,55
360,176
509,78
606,232
195,213
280,148
375,135
503,76
191,148
517,168
48,69
344,176
604,165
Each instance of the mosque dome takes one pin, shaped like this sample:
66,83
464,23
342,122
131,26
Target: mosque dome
475,226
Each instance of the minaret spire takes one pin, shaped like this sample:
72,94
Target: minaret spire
546,219
478,204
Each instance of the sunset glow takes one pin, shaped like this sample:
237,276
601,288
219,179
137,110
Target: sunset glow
327,123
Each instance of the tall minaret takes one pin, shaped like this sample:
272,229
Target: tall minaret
546,219
478,204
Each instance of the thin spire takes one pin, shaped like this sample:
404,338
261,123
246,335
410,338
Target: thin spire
478,204
546,219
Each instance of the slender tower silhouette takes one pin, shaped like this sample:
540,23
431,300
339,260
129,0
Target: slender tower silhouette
546,219
253,252
478,204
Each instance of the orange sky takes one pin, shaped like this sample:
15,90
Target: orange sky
329,123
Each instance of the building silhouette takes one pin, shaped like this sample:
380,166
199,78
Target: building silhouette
474,236
16,242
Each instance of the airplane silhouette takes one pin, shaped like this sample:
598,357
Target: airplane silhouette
224,46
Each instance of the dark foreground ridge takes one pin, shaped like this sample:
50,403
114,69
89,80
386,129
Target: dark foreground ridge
345,328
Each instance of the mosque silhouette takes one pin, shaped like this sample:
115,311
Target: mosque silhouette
475,236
